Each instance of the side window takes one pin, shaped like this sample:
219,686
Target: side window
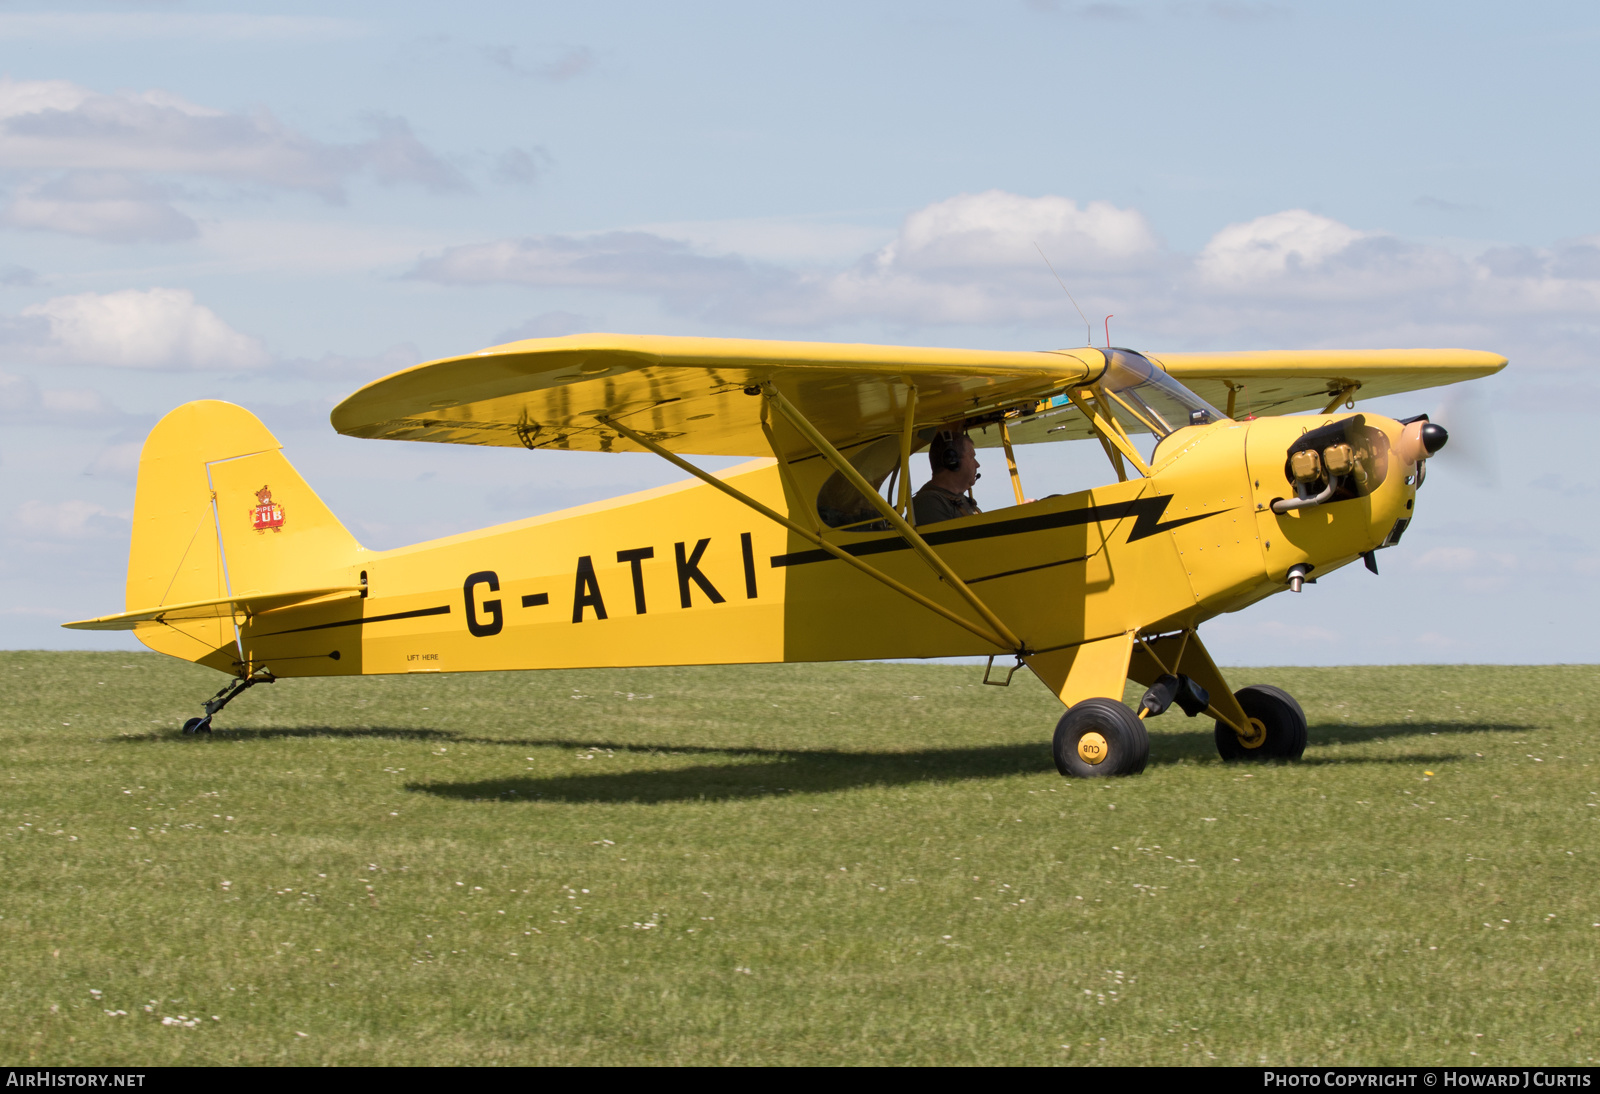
840,505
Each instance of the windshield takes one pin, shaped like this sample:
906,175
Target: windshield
1147,400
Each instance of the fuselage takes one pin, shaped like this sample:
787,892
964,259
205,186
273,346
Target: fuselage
687,575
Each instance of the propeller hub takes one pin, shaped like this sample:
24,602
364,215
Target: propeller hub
1419,439
1434,436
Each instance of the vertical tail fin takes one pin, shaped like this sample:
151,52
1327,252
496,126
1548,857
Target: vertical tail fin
219,513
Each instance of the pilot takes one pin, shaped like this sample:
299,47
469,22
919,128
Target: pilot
955,469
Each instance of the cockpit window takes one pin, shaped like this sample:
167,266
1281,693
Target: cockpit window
841,505
1147,400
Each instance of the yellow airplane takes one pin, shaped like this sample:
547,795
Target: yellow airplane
811,551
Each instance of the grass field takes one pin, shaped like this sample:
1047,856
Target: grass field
841,864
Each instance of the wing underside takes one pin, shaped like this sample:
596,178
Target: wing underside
693,395
1289,381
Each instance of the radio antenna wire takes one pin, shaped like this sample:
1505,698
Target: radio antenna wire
1088,336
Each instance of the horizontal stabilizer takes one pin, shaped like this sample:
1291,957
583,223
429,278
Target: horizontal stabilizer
249,604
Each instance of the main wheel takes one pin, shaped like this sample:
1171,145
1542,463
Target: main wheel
1100,737
1281,717
197,725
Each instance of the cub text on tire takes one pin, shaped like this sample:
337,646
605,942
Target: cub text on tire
1100,737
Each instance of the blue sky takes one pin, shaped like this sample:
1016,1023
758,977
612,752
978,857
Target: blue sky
275,204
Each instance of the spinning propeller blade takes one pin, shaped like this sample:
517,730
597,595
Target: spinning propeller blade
1472,451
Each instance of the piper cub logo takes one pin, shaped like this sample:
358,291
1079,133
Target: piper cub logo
267,513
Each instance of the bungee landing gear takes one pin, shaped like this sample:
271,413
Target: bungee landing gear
222,698
1097,738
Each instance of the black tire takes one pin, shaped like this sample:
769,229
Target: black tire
197,725
1126,744
1275,709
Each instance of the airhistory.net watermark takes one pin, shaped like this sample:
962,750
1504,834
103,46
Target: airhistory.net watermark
45,1077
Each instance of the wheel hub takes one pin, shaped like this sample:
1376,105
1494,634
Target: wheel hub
1258,734
1092,748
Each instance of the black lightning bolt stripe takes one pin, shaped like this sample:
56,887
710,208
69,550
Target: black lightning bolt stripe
1146,512
443,609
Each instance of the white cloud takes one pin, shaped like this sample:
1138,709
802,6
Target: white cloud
569,64
300,246
1272,245
122,26
348,369
117,461
22,402
132,328
808,241
520,166
997,229
103,205
969,259
550,324
626,261
18,394
75,404
58,125
1292,278
68,521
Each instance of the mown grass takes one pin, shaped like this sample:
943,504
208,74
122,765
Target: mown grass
847,864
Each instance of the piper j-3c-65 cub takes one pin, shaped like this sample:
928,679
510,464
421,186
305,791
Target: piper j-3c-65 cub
810,551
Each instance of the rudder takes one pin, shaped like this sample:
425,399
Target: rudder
219,512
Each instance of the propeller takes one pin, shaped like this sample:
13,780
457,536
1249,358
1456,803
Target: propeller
1472,452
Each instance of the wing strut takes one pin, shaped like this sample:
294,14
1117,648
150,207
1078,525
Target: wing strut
813,537
907,435
1011,465
1109,430
908,533
1346,393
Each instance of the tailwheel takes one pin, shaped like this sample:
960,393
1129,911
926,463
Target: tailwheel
1100,737
1279,722
228,694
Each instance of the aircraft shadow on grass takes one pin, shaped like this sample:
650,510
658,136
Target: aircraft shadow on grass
768,772
777,771
357,733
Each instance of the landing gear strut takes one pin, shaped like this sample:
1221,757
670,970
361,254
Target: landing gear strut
226,696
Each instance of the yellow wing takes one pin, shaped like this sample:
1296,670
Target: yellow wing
689,394
1285,381
1271,382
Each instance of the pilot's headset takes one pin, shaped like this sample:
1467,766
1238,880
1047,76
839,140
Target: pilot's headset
950,453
